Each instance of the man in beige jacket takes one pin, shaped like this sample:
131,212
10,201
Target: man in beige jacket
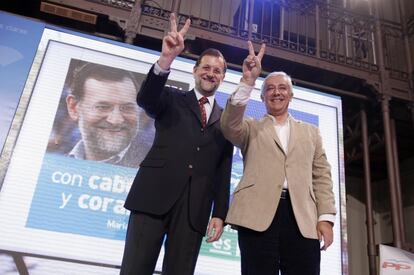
284,206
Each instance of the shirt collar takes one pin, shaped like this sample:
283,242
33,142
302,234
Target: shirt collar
210,98
286,122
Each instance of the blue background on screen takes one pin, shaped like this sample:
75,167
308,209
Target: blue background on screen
19,39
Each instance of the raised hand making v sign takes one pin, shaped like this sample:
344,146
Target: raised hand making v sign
185,177
172,43
252,66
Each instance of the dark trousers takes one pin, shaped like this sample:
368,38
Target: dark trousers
280,247
145,236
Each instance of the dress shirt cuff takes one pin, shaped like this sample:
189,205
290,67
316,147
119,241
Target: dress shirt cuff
327,218
242,94
160,71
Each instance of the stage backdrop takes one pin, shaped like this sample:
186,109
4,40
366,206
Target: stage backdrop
56,204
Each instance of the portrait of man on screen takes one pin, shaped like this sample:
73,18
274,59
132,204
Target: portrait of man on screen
98,118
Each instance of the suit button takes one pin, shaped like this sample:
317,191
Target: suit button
202,129
190,166
198,148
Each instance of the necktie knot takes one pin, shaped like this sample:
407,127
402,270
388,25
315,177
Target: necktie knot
203,100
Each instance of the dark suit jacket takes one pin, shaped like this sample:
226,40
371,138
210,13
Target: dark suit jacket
182,153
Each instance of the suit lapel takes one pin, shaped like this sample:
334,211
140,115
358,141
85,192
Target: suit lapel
293,135
192,103
270,128
215,114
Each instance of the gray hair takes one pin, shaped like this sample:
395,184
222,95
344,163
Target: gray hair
289,79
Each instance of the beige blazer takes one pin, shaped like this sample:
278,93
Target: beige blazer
266,166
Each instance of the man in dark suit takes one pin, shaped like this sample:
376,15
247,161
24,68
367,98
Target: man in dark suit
186,171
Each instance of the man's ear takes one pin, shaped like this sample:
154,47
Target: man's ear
224,76
262,97
72,105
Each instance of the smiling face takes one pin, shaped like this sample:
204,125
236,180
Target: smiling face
107,116
209,74
277,94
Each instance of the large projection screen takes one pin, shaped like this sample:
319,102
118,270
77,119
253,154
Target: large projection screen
55,205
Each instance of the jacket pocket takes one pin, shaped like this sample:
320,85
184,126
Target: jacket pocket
152,163
241,187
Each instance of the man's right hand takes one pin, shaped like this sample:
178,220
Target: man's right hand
172,43
252,66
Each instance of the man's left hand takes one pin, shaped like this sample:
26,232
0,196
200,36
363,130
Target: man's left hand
214,230
325,233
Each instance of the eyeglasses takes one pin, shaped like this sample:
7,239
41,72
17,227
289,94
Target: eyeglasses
208,68
106,109
280,88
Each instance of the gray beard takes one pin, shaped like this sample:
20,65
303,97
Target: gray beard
104,144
